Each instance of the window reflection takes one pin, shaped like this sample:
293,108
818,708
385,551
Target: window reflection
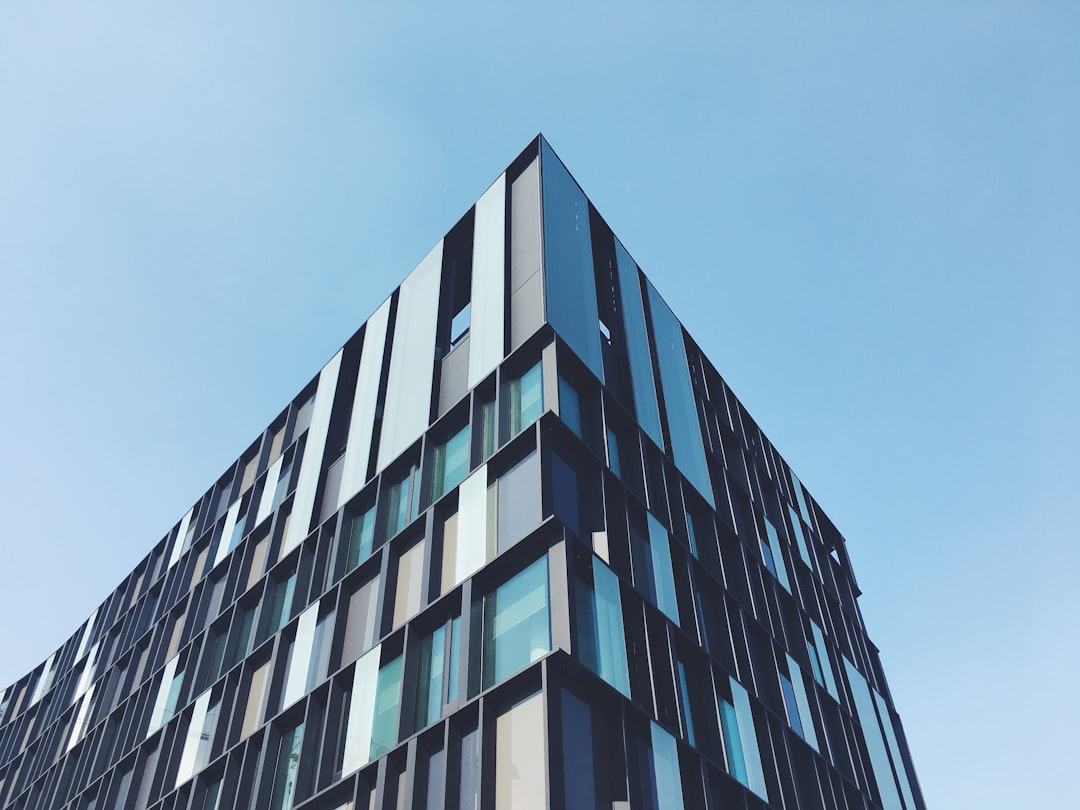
451,463
526,399
516,623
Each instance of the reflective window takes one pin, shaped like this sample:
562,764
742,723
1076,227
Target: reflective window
652,567
277,602
601,635
285,770
520,781
569,406
526,399
399,510
451,463
387,700
488,429
516,624
361,536
459,325
773,556
568,263
682,416
440,653
613,452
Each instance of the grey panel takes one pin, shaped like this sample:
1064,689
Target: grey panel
412,359
454,374
526,310
365,400
488,283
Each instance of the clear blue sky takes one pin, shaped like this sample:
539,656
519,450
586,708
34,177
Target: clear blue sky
867,214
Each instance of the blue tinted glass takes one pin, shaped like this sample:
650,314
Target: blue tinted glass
387,699
569,406
682,415
684,699
792,706
663,576
613,452
666,767
610,636
516,624
451,463
637,346
568,263
361,535
526,399
729,724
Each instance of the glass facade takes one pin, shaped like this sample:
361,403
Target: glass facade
518,545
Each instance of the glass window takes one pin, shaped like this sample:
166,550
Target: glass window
569,406
520,781
387,700
526,399
399,505
516,624
408,598
565,493
488,429
288,763
451,463
773,556
361,535
432,688
662,575
613,452
601,635
459,325
360,624
687,446
277,602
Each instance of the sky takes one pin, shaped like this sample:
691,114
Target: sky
867,215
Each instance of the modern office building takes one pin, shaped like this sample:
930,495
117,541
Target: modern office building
517,545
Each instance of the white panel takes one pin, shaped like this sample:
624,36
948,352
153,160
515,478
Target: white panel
488,282
88,672
87,635
224,544
361,712
44,681
191,742
301,655
311,465
362,422
164,686
178,545
472,525
80,720
412,360
266,502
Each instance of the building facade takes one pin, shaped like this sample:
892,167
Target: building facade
517,545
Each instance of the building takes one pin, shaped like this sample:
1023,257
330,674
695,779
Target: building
517,545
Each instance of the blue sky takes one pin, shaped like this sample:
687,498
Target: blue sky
867,215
